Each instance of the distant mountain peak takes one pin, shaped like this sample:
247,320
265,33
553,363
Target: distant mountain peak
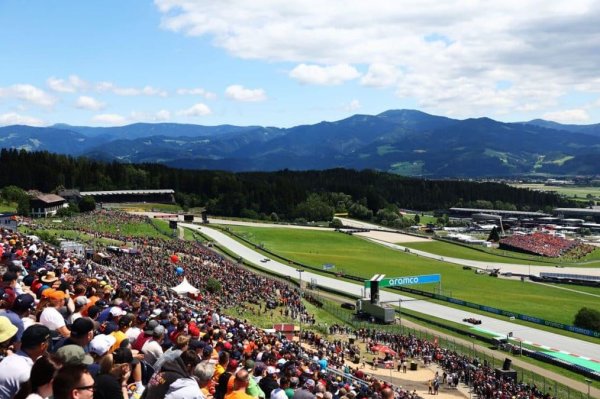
403,141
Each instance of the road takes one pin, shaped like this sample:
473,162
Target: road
501,327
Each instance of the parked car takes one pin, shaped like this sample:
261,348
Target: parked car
348,305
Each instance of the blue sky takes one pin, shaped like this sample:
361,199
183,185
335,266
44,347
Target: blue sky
281,63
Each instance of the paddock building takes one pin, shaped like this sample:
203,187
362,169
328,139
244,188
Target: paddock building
165,196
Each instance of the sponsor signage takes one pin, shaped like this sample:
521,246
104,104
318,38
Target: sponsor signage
407,280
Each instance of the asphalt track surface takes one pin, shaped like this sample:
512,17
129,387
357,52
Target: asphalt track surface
501,327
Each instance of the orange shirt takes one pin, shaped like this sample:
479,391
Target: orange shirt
240,394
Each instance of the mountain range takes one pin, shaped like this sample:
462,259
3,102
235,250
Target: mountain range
406,142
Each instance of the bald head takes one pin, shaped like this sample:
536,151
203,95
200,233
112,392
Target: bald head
387,393
241,379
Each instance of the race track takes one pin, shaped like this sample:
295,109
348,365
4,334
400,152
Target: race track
559,343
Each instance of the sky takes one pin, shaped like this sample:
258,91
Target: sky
286,63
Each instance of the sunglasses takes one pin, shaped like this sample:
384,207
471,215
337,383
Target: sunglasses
86,388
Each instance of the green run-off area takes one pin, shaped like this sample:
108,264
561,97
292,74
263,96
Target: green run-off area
356,256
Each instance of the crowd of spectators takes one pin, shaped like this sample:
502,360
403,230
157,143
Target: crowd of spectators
458,368
544,245
71,328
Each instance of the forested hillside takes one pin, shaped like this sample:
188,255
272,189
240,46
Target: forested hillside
285,193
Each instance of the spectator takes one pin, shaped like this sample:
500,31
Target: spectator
8,333
74,382
82,333
111,382
21,308
50,316
39,385
152,349
203,373
240,384
173,370
15,369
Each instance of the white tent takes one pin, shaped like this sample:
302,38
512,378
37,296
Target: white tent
185,288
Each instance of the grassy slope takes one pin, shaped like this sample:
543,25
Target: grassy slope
359,257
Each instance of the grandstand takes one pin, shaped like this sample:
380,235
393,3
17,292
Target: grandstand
160,196
544,245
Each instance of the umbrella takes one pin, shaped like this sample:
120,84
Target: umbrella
383,349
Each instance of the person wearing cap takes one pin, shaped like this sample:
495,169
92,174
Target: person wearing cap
73,354
21,308
306,392
16,368
9,284
136,329
98,348
79,303
82,332
152,349
145,335
8,332
50,316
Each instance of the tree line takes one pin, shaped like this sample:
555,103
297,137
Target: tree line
286,195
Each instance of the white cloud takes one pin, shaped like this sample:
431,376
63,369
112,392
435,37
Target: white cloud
240,93
197,92
456,50
86,102
380,75
196,110
163,115
109,119
159,116
352,106
17,119
71,85
568,116
28,93
327,75
130,91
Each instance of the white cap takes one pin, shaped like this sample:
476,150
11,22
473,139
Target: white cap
116,311
101,344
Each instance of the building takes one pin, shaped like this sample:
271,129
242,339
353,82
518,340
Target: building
44,205
469,212
587,214
116,196
8,221
71,195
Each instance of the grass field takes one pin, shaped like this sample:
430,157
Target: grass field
494,255
568,191
10,207
359,257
